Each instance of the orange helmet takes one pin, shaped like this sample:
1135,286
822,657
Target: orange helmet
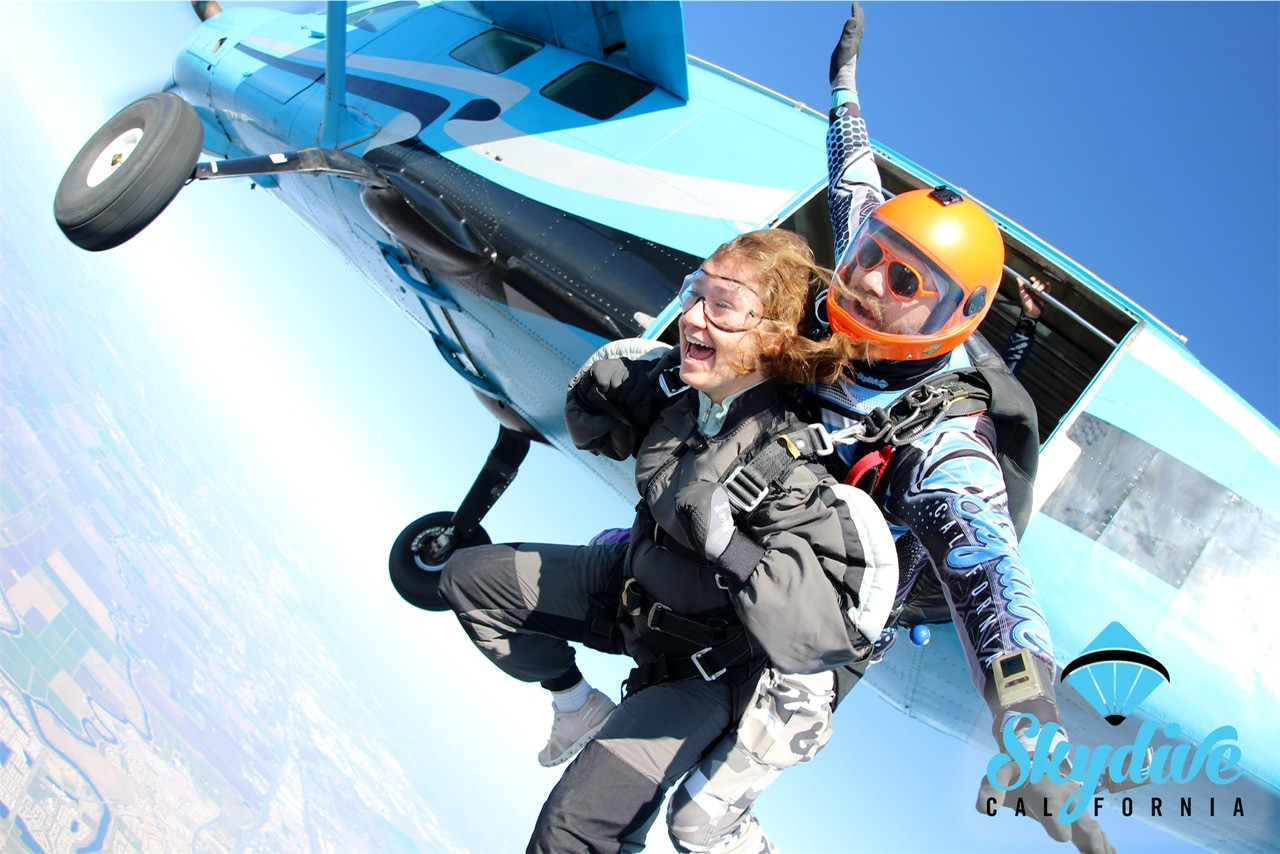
918,276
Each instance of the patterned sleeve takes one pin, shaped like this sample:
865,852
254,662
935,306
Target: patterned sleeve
854,188
1019,344
949,491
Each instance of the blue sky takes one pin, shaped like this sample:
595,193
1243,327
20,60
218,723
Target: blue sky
1141,139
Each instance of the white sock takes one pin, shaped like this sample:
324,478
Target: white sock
573,699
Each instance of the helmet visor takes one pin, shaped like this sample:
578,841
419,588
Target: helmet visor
888,289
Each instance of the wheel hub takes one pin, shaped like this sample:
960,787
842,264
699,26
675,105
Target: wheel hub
113,156
432,547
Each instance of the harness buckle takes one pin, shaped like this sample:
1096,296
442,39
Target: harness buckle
654,617
696,658
745,490
633,601
875,425
627,595
820,444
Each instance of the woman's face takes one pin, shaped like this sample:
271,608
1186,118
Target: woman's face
709,355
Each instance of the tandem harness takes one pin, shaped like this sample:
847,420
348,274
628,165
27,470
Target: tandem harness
719,645
881,431
723,645
985,388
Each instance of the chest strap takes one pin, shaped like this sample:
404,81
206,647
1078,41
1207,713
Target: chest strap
948,395
750,481
881,432
919,408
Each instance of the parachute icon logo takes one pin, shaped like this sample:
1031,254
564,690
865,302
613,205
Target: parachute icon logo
1115,673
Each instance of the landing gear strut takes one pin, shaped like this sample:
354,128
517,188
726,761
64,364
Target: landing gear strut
425,544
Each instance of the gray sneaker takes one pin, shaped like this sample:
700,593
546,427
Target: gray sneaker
572,730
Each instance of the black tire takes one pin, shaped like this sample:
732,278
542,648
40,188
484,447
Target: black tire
416,584
159,138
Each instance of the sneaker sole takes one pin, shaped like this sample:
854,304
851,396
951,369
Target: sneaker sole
575,747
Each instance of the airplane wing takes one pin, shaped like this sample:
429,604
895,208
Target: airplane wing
645,37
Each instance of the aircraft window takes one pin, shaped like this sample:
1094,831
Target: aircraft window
379,17
597,90
496,50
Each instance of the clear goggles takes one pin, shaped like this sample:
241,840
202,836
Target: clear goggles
727,304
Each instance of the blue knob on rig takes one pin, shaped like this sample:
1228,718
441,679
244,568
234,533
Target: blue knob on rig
920,634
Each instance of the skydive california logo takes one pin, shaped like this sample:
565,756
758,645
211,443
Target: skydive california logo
1114,674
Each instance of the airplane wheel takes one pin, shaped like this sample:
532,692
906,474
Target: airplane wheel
415,569
128,171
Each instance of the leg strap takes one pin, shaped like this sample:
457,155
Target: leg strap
657,616
708,664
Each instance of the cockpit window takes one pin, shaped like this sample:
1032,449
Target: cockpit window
376,18
496,50
597,90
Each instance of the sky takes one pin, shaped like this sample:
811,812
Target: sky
1143,140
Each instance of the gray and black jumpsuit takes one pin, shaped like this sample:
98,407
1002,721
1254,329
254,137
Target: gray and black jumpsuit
522,603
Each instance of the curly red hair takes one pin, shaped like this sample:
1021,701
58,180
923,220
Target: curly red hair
788,279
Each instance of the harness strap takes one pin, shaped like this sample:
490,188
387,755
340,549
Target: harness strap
880,432
750,481
602,627
868,470
708,664
919,408
723,645
660,618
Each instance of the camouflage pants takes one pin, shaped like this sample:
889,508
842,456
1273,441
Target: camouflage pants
787,722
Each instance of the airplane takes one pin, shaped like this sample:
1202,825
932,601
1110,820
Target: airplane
529,181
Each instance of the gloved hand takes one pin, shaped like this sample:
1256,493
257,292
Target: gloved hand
1085,833
611,405
844,59
706,517
620,387
594,431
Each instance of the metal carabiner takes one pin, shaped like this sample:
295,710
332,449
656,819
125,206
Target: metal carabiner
924,409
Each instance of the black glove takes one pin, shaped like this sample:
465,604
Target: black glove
619,387
846,51
610,408
598,433
707,520
1085,833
